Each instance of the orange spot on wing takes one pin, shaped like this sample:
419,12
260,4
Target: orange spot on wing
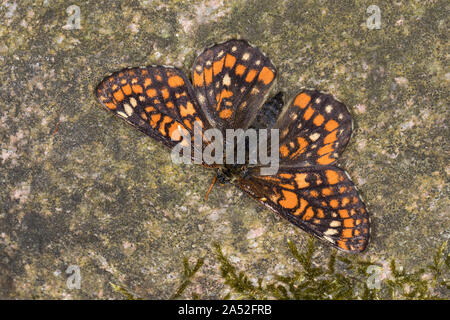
137,89
331,125
308,113
175,81
320,214
165,93
332,176
218,66
266,75
169,105
198,79
208,76
149,109
240,69
343,213
224,94
325,149
300,178
269,178
324,160
151,93
314,193
111,106
349,223
225,113
162,128
230,61
334,203
345,201
318,120
302,100
302,147
284,150
326,191
187,123
347,233
308,214
127,89
303,204
118,95
330,138
154,119
341,244
290,200
147,82
188,110
286,175
251,75
287,186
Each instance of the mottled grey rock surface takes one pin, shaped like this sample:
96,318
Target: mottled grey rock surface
80,187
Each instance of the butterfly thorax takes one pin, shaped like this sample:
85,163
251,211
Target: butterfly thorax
231,173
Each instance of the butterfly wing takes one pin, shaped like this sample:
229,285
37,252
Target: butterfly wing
158,100
314,130
231,80
321,200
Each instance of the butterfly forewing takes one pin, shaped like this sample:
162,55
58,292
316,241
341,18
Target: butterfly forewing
314,130
230,81
321,200
158,100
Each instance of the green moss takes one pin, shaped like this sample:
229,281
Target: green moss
186,279
187,276
123,292
323,282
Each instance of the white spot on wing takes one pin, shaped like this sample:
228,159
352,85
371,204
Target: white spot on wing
123,115
335,223
128,109
314,136
330,232
133,102
226,80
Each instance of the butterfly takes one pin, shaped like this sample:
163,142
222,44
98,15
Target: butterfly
230,82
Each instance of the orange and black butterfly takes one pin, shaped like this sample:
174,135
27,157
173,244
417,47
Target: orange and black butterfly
230,82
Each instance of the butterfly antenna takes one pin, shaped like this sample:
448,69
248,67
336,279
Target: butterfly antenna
210,187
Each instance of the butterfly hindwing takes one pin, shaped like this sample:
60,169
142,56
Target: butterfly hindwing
231,80
314,130
321,200
157,100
